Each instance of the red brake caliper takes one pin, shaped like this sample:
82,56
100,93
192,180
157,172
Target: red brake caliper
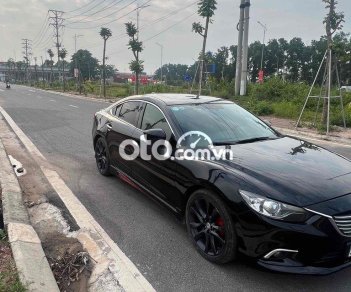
220,223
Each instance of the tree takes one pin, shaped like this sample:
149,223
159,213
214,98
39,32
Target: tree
62,56
136,47
110,71
11,67
105,33
295,58
221,60
333,22
88,65
174,73
51,55
255,56
206,9
19,66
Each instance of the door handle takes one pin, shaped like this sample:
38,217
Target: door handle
109,127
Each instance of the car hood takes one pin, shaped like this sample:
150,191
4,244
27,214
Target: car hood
292,171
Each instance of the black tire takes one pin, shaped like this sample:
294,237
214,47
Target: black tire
210,227
102,157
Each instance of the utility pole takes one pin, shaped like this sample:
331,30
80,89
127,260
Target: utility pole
239,54
161,46
27,48
76,71
244,75
57,23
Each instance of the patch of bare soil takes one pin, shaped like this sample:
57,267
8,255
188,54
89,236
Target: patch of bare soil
291,124
69,263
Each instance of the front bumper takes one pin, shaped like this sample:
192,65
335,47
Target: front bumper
319,247
298,268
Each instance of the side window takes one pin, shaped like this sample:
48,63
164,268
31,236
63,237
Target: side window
154,119
129,112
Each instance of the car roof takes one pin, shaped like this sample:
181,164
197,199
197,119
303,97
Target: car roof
164,99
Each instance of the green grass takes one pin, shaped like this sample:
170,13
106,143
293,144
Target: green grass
9,279
10,282
274,97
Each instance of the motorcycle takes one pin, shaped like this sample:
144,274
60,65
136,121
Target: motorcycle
8,86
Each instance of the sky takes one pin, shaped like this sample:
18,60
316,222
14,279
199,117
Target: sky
166,22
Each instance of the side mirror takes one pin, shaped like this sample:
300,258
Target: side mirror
155,135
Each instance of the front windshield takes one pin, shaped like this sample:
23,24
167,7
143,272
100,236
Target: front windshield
223,122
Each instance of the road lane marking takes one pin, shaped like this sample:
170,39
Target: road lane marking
1,89
52,100
123,269
73,106
31,90
96,100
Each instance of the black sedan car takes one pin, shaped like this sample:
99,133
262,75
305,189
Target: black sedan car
282,201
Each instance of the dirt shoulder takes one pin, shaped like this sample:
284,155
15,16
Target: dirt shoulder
9,278
336,132
52,222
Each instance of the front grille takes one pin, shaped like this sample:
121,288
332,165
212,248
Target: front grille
344,224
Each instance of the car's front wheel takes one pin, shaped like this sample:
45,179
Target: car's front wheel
210,227
102,157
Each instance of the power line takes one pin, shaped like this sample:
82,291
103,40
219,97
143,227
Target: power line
81,14
170,27
44,33
115,2
79,8
41,29
155,21
163,31
103,24
108,16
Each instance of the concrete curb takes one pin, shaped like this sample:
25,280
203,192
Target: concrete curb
306,135
113,270
32,265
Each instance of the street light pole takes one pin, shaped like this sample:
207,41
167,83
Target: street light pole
161,46
264,40
139,7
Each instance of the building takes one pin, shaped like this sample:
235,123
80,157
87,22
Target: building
16,73
122,77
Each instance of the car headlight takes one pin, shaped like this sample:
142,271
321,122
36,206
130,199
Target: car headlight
274,209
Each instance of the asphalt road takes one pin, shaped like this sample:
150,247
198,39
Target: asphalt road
147,233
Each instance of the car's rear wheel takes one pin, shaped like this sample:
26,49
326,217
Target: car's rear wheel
102,157
210,227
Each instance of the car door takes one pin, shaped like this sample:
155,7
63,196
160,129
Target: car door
120,127
157,176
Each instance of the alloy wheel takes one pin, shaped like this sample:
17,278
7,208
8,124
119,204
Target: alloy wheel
101,157
207,227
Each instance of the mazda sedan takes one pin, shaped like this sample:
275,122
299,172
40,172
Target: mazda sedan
239,185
